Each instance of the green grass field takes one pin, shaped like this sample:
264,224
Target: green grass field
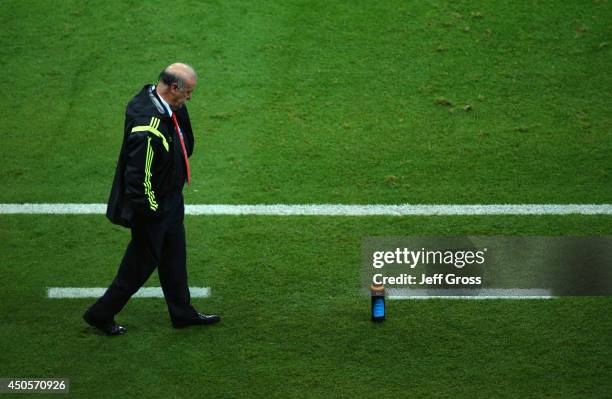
308,102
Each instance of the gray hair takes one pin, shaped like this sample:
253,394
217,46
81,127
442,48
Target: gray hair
169,76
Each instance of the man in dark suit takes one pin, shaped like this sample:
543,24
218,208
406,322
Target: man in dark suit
147,197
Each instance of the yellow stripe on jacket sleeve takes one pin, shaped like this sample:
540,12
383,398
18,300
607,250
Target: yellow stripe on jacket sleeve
153,130
154,123
150,194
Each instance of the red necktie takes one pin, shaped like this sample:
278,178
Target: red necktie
180,134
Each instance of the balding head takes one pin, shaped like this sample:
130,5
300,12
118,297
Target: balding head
178,73
176,83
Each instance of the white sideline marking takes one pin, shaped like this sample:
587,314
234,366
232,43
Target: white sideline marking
95,292
472,294
332,209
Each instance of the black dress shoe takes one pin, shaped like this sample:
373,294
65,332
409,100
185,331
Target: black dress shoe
200,319
106,327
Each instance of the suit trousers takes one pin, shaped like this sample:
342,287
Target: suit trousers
156,242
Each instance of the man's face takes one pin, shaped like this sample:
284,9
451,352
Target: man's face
180,97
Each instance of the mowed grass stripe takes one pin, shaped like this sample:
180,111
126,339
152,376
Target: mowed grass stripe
334,209
288,291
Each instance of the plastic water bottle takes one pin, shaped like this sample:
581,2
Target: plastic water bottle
377,293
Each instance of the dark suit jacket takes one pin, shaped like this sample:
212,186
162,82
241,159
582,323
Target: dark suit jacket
151,166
